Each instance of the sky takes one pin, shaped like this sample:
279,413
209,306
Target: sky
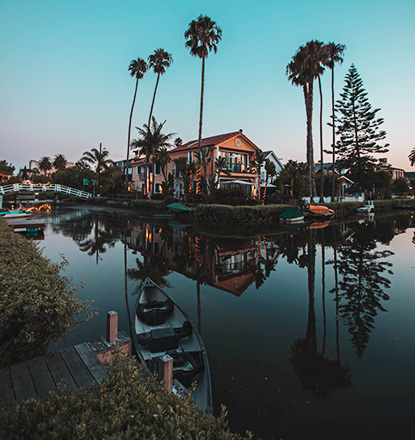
65,85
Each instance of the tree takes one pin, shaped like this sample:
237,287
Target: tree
334,54
412,157
99,159
257,162
220,166
269,172
382,180
178,142
202,36
158,61
152,140
301,71
137,69
73,177
400,186
162,157
293,179
359,130
6,168
204,158
60,162
45,164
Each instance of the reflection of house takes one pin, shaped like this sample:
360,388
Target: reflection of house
223,267
235,147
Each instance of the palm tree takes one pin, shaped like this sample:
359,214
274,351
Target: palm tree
99,159
204,157
257,163
269,172
412,157
45,164
202,36
220,166
301,71
334,54
152,140
162,157
60,162
137,69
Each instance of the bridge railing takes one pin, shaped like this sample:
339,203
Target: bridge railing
42,187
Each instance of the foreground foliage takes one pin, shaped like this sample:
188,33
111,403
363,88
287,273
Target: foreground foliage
37,304
124,406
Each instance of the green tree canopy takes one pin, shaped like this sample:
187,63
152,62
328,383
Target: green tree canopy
359,131
6,168
60,162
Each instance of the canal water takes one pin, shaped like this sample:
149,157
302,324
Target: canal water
310,332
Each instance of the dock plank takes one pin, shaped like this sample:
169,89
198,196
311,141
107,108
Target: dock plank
77,367
22,382
91,361
6,387
59,370
41,376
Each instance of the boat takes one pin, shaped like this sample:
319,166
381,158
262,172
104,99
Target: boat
319,212
162,328
15,214
292,214
178,207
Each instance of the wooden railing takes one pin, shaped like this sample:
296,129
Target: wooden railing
43,187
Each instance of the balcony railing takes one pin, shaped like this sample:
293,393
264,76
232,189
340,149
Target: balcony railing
236,167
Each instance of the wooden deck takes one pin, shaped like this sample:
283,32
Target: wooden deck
77,367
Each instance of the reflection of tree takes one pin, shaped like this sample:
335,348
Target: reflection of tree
152,266
318,375
362,284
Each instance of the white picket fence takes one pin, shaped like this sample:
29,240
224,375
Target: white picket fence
42,187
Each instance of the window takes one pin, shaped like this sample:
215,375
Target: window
158,187
138,171
157,169
190,157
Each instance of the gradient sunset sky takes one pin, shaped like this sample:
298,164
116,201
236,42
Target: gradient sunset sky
65,85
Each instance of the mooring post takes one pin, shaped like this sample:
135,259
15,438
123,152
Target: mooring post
165,371
112,327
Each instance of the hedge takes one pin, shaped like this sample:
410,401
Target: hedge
124,406
215,214
37,304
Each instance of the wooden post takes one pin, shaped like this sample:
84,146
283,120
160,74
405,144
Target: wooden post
165,371
112,327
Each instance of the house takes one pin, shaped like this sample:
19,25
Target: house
235,147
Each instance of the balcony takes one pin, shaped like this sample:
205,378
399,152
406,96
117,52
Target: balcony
236,167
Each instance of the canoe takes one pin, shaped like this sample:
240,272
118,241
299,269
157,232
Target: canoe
292,214
178,207
161,328
319,212
15,214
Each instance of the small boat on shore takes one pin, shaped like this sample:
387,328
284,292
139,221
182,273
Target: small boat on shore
292,214
15,214
178,207
367,209
319,212
162,328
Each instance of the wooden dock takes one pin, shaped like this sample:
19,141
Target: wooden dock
76,367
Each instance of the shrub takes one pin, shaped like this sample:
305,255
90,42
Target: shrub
124,406
37,304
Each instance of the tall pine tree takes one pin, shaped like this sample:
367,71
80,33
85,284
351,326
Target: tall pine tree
359,131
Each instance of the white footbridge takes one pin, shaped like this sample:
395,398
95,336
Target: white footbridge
37,188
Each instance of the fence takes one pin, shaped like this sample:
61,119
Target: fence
42,187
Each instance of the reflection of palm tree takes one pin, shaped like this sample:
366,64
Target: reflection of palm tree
154,267
318,375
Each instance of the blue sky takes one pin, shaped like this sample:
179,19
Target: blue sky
65,85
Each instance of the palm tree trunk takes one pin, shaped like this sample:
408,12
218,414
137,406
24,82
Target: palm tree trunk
154,98
308,97
99,167
200,121
321,142
129,134
333,181
311,332
323,290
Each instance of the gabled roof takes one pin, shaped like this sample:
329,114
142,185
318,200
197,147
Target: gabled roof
207,142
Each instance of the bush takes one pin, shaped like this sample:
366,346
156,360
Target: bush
124,406
37,304
233,197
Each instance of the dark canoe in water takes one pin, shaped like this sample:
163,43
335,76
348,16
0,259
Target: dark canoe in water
161,328
292,214
178,207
